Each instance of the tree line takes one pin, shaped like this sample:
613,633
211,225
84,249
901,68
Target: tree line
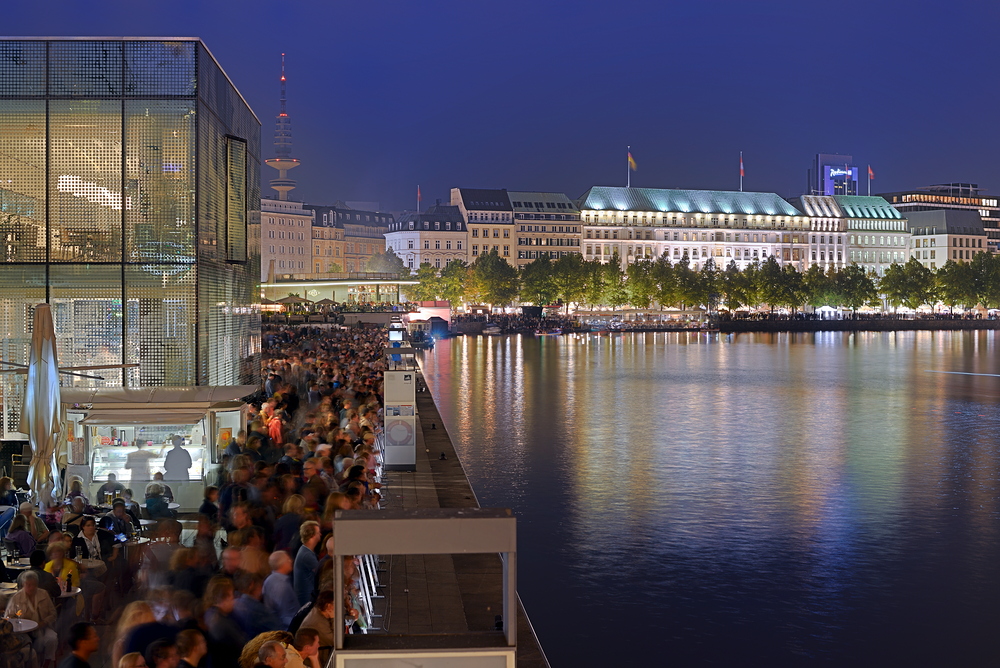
660,282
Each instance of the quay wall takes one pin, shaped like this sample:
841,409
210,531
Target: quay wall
479,575
887,325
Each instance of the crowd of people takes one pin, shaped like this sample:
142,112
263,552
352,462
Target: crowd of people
252,585
512,323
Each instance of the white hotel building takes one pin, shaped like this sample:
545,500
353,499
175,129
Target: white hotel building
643,223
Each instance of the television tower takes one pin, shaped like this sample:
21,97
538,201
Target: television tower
282,146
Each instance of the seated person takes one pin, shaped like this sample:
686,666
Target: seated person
76,491
46,580
167,492
209,507
156,503
77,511
131,507
20,536
118,523
7,495
110,490
31,602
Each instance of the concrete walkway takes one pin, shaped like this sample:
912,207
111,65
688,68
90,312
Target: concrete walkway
445,594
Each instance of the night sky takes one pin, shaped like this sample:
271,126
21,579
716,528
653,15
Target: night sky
534,95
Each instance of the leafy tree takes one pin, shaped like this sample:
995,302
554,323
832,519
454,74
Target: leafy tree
613,283
593,282
793,292
894,285
495,279
708,291
819,287
387,263
453,281
428,287
537,282
770,282
986,274
569,277
640,284
752,283
664,279
733,287
920,284
688,287
857,287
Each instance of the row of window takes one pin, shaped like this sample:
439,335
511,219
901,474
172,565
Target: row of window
555,228
291,250
545,216
489,216
328,251
534,241
543,205
281,235
281,221
877,256
447,227
357,216
534,255
486,249
486,233
289,265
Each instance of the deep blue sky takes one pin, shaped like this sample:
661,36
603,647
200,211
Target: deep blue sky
386,94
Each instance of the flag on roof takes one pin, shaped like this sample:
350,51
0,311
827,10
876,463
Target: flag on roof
631,162
871,174
741,164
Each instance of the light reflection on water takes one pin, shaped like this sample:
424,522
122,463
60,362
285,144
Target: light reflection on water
782,498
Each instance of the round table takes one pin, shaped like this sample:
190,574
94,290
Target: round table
23,625
173,506
22,564
70,593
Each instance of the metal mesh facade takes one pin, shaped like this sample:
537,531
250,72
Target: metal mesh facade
129,200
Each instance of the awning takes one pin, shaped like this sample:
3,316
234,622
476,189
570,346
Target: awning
197,397
146,416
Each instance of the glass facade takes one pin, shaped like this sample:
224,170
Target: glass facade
129,200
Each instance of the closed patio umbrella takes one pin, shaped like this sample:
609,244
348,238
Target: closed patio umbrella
40,412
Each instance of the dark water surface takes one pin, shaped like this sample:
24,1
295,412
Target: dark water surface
789,499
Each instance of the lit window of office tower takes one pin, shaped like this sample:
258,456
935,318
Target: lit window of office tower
833,174
129,201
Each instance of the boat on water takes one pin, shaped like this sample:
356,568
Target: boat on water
491,330
548,332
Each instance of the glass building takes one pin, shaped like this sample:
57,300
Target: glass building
129,201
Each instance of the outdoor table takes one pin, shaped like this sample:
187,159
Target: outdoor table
173,506
70,593
23,625
22,564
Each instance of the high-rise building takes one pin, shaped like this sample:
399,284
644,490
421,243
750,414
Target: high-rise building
129,201
962,196
282,145
833,174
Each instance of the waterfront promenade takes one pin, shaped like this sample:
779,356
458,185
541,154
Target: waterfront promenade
445,594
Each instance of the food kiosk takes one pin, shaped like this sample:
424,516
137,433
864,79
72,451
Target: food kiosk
138,432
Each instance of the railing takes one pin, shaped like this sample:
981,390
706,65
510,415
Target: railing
369,571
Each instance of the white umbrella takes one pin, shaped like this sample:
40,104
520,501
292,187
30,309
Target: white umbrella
40,412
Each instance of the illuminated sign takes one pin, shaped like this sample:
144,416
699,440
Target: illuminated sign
835,171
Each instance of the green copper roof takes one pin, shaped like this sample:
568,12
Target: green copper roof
855,206
603,198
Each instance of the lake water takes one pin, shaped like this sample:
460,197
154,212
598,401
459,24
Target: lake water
772,499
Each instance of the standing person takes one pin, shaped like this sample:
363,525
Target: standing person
30,602
209,507
83,641
321,619
138,463
162,654
306,562
178,461
249,612
191,647
226,639
279,595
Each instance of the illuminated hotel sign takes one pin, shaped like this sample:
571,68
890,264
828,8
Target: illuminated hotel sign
834,171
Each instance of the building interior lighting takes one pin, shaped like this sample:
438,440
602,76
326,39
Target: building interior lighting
92,192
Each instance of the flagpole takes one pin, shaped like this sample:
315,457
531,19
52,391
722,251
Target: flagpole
741,171
628,167
869,180
418,198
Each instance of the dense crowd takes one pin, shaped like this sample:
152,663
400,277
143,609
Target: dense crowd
515,322
252,583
